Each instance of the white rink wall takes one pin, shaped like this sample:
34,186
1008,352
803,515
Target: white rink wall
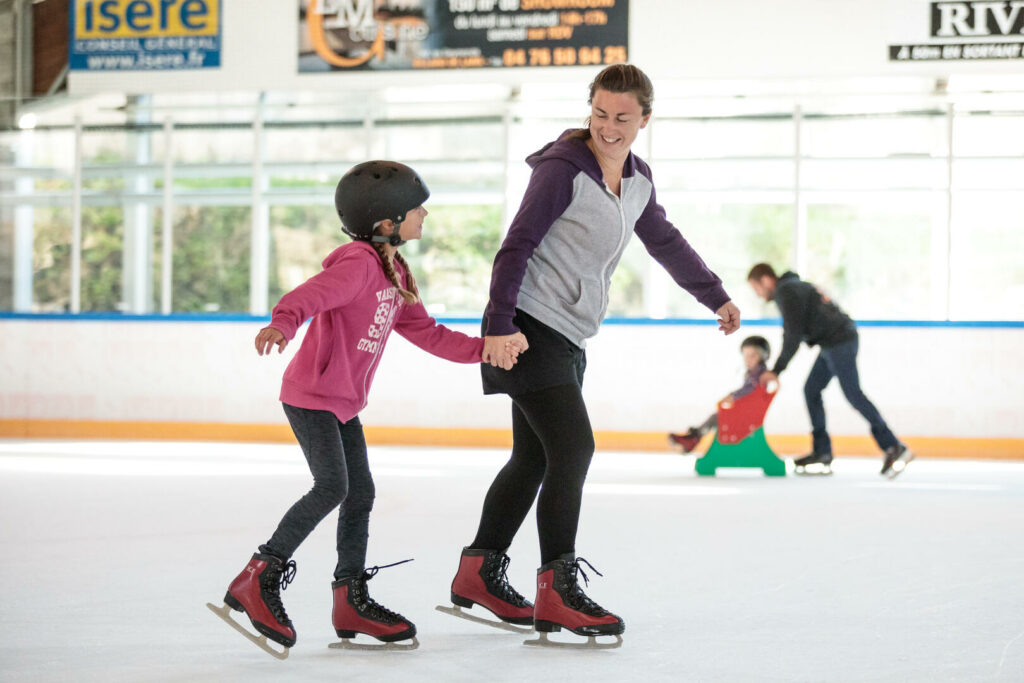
927,381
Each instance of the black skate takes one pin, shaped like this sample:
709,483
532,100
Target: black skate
896,459
819,464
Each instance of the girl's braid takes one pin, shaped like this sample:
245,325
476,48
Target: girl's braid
411,295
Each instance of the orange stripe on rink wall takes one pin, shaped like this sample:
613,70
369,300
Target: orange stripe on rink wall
785,444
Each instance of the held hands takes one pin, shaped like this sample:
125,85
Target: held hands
767,377
503,351
728,317
267,337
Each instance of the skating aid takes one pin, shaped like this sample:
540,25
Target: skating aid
481,580
356,612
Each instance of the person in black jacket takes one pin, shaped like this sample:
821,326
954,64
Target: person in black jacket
808,315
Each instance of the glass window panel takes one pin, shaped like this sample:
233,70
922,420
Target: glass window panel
452,262
723,175
102,258
881,174
316,143
51,260
300,238
989,174
53,155
711,138
211,259
987,273
212,145
873,257
874,136
730,237
440,140
998,134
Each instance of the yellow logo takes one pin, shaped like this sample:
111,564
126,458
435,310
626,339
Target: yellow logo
146,18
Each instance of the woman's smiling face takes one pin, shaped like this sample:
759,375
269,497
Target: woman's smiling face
615,121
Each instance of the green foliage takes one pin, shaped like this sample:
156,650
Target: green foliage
211,259
452,263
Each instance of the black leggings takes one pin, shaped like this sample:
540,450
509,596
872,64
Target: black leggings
336,453
552,445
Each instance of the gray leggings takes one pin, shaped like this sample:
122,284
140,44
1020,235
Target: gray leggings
336,453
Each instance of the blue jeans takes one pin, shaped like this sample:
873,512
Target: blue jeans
841,361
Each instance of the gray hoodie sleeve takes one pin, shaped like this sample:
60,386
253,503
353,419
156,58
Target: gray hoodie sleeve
547,196
668,247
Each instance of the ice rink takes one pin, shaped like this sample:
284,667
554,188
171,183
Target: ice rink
113,548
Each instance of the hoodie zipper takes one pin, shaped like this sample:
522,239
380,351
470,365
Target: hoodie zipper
618,248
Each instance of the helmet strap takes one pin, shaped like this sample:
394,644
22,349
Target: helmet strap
394,239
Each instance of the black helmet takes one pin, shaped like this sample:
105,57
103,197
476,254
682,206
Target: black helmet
759,343
374,191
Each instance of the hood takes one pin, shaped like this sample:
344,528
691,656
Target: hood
347,250
788,276
576,152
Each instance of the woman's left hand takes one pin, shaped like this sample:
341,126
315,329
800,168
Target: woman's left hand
728,317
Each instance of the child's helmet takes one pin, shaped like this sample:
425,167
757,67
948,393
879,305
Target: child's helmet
374,191
759,343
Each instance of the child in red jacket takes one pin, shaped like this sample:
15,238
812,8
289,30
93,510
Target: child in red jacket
363,293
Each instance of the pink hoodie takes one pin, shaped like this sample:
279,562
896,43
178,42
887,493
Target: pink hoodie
354,308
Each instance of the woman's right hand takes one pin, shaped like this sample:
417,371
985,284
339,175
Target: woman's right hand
267,337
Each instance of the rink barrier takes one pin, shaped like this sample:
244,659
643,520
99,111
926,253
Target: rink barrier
787,444
471,320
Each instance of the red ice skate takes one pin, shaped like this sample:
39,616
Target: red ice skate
481,580
356,612
256,591
561,603
688,441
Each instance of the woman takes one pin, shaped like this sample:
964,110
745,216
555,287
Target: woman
588,193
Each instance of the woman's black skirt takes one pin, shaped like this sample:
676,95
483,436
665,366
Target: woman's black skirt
552,360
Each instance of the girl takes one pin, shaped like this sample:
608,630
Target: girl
363,293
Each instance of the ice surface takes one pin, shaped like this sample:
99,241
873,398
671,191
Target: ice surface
112,549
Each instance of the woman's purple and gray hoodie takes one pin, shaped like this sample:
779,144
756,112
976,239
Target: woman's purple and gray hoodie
557,260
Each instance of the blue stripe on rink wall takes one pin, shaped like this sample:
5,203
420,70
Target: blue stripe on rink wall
247,318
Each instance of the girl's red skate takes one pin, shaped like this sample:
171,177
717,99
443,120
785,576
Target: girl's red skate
256,591
481,580
561,603
356,612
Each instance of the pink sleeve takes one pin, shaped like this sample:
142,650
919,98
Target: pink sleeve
416,325
330,288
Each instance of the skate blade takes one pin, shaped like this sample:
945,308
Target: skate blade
900,465
350,644
592,643
456,611
802,471
260,641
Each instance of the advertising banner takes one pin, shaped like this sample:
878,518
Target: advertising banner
144,35
962,31
338,35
